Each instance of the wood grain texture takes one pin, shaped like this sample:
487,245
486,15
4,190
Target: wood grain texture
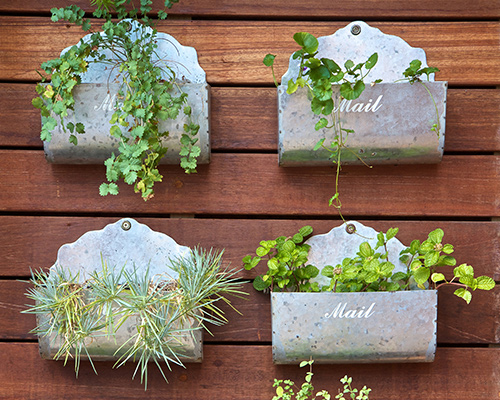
320,9
247,373
231,52
246,119
478,322
255,184
33,241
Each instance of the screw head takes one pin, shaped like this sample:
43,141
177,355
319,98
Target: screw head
350,229
126,225
355,29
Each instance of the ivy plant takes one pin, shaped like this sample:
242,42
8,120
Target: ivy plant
371,270
286,262
287,389
319,76
148,93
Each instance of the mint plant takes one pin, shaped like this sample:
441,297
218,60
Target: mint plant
370,270
148,93
286,263
373,271
286,389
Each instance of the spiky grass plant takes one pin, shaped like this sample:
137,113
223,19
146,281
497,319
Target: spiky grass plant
204,283
74,312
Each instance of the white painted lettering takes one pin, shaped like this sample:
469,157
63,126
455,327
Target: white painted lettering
340,312
348,106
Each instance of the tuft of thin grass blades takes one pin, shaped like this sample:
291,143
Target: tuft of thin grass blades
62,310
204,282
166,309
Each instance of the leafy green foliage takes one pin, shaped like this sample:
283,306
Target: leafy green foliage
370,270
318,75
413,74
287,390
149,93
167,309
287,268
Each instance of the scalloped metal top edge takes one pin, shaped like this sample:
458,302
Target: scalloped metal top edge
394,54
183,60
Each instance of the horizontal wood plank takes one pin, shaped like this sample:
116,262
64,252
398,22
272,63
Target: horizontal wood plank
247,372
465,186
33,241
246,119
231,52
478,322
321,9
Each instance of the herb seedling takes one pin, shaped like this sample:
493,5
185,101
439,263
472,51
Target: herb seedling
371,270
149,92
286,389
287,259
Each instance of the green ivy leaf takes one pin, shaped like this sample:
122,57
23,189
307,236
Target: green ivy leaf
108,188
292,87
464,294
269,60
485,283
421,275
260,285
437,277
372,61
322,123
80,128
307,41
37,102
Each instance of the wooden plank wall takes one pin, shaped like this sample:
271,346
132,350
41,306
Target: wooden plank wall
243,196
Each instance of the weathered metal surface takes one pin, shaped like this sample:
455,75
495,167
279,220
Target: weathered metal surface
125,243
354,327
392,125
391,121
95,99
95,106
101,348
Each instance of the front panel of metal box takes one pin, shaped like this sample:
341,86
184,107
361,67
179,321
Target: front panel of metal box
392,124
354,327
94,106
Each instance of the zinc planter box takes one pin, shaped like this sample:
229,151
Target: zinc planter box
96,98
137,249
94,107
354,327
393,122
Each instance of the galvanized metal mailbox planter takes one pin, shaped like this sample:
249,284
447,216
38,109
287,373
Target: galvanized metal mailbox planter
392,122
138,248
97,95
365,327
